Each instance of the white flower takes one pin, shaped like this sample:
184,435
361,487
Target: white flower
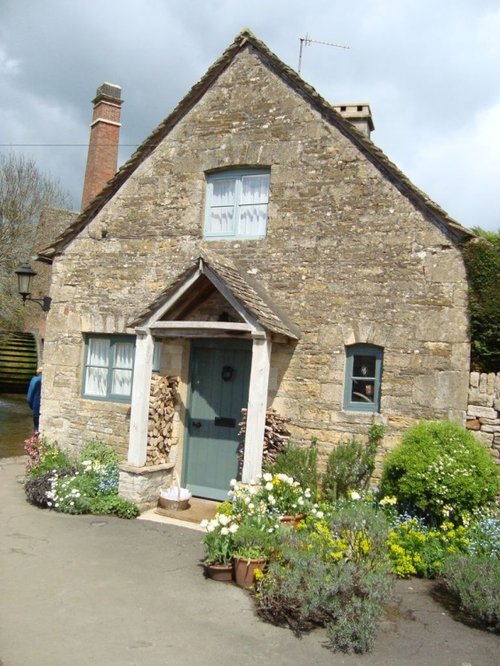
267,477
204,523
268,486
307,493
223,519
251,505
355,495
319,514
232,483
271,500
233,528
224,531
300,500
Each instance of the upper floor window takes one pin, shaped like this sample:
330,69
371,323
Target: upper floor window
109,366
363,378
237,204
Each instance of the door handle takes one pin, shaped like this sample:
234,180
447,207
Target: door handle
196,424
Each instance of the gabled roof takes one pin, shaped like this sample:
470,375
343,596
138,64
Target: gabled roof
251,300
247,40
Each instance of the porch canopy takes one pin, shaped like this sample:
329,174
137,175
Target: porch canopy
249,314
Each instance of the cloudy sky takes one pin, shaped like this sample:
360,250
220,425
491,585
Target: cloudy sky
430,70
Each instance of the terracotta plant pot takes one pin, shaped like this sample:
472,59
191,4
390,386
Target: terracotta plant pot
244,570
292,521
221,572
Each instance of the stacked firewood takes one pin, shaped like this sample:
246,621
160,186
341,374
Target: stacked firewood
276,436
162,402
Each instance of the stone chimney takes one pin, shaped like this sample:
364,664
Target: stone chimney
359,115
102,159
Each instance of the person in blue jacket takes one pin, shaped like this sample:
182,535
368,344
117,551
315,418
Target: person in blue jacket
33,397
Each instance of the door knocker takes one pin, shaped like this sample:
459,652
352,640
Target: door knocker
227,373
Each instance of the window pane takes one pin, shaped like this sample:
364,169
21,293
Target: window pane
98,352
122,382
123,355
363,391
255,189
253,220
96,381
363,366
221,221
223,191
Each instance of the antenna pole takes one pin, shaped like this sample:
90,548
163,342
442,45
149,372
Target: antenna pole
307,41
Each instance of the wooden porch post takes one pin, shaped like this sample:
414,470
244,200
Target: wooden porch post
143,366
257,404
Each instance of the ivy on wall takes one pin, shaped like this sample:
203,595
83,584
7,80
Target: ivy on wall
482,261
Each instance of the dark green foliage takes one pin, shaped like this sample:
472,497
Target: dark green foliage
350,465
482,261
475,580
345,594
114,504
299,462
439,470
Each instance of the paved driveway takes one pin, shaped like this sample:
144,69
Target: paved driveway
82,590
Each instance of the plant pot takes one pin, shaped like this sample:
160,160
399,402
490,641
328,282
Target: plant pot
292,521
244,570
221,572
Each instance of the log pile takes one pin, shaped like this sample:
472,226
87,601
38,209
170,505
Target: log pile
276,436
162,402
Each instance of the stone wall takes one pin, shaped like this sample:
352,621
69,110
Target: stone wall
347,257
483,411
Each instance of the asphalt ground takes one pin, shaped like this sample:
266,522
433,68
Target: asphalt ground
91,590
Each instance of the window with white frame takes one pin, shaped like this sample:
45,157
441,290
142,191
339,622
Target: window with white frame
237,203
109,366
363,378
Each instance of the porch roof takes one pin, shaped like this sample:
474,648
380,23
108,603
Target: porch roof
251,300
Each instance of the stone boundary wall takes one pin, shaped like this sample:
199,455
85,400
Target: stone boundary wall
483,411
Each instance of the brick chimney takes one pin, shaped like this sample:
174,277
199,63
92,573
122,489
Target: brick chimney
102,159
359,115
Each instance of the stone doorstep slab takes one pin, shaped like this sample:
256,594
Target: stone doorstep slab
154,517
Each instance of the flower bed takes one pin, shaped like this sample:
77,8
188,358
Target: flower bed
88,484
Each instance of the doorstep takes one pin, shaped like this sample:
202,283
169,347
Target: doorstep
199,509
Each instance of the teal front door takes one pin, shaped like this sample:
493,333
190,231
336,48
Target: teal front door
219,377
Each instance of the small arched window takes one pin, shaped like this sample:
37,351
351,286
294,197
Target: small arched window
363,378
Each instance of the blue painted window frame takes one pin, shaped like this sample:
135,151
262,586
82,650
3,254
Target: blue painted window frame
237,175
114,340
374,379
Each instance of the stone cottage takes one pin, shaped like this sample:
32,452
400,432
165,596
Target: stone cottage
261,250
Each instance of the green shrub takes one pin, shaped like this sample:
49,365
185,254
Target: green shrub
334,575
439,470
476,583
350,465
114,504
96,451
299,462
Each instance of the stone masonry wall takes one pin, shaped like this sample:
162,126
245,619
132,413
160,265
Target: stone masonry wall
483,411
347,257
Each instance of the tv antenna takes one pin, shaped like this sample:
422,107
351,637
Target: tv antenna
307,41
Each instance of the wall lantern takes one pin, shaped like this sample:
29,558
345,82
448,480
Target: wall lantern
24,277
